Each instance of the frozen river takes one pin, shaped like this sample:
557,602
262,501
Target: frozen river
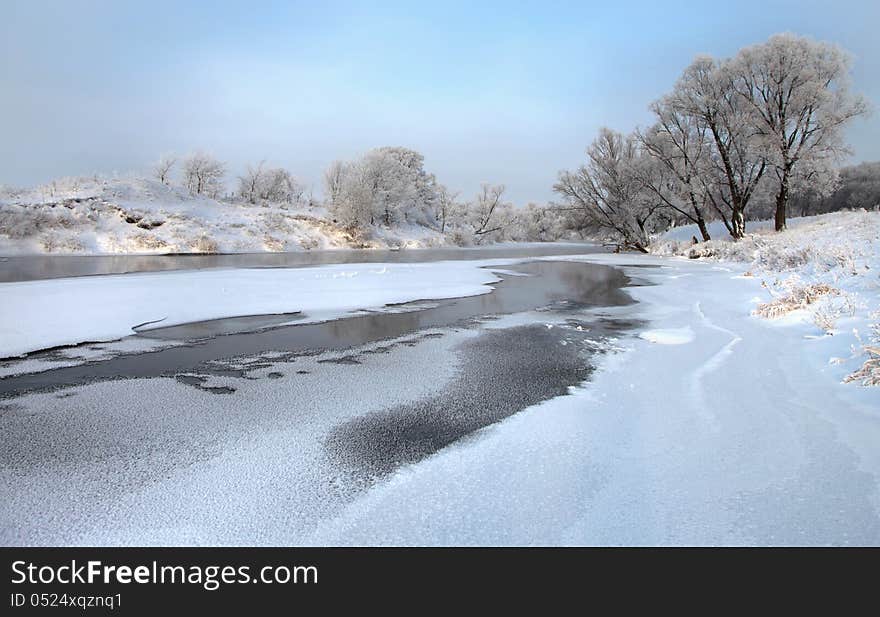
285,422
562,399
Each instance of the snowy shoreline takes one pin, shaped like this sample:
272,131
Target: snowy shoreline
712,427
823,271
138,216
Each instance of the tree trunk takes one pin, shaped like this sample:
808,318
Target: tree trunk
781,203
704,231
738,222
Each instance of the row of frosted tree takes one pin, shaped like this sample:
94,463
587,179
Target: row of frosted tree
202,174
387,187
744,137
390,186
757,128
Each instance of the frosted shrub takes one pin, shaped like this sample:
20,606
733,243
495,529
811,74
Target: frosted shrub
836,257
27,221
271,243
460,238
701,251
15,224
668,248
309,244
780,258
148,242
205,244
52,242
795,296
831,308
869,373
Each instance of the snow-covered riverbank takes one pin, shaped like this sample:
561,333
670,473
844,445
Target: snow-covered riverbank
735,417
131,215
740,432
823,270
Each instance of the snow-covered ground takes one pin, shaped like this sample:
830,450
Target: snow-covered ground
823,269
712,424
134,215
739,432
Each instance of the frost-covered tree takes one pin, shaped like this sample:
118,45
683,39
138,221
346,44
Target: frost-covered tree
796,95
389,189
279,186
351,203
386,186
488,213
535,223
203,174
608,192
162,168
249,183
334,177
857,186
449,210
677,149
706,93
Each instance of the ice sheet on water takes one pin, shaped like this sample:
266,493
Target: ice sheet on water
41,314
669,336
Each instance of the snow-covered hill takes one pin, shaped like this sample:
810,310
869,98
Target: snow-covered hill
137,215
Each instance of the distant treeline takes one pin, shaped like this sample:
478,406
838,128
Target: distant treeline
859,187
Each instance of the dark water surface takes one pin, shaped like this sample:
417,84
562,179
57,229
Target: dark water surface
34,267
502,372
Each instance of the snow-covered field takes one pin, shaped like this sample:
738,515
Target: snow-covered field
139,216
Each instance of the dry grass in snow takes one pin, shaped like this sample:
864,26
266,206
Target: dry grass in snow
798,297
824,268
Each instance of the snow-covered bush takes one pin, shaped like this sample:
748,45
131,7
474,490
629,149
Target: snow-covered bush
869,373
797,296
145,242
53,242
205,244
273,244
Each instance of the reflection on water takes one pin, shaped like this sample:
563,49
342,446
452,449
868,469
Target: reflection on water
26,268
550,283
218,327
561,285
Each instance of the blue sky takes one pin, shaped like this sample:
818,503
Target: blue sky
504,92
